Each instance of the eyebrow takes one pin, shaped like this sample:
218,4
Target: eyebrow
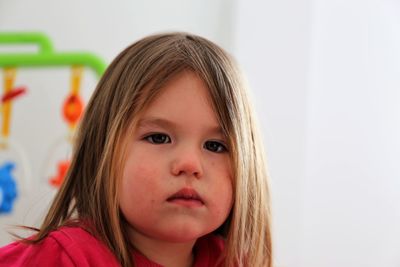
164,123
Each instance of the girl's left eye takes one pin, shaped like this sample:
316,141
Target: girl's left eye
158,138
215,146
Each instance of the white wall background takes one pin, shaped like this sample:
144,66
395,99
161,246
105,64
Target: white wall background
326,84
272,40
326,79
352,210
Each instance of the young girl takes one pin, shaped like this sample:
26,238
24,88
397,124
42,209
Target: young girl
168,168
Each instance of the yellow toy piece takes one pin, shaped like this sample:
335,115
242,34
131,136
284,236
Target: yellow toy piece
9,78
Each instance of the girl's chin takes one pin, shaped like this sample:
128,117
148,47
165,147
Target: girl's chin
173,232
180,237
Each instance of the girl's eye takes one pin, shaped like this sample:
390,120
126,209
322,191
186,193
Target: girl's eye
158,138
215,146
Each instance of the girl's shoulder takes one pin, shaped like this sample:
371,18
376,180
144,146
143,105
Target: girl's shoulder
67,246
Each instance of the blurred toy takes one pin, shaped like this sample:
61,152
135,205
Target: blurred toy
73,108
62,171
13,94
73,105
8,188
72,111
8,185
9,94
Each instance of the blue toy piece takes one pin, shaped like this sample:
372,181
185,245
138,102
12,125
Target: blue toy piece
8,187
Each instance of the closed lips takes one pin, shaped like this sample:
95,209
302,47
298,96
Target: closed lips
186,194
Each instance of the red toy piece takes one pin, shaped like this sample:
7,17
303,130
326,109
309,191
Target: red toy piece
13,94
57,180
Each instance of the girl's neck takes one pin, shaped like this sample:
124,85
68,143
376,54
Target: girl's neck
167,254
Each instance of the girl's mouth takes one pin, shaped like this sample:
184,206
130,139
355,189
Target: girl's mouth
187,197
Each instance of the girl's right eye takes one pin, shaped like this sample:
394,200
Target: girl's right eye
158,138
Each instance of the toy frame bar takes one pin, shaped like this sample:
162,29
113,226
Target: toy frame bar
46,57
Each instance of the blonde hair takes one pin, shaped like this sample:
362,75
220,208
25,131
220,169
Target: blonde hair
134,78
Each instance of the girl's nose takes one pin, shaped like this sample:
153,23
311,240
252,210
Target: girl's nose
187,163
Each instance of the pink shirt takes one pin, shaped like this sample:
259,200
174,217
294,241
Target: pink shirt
73,246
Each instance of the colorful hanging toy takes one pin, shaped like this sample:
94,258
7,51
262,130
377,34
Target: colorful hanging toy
8,185
72,107
72,112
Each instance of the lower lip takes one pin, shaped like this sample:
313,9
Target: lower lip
189,203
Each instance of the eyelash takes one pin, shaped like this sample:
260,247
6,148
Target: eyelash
221,148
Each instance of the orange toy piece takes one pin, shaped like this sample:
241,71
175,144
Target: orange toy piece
57,180
72,109
73,104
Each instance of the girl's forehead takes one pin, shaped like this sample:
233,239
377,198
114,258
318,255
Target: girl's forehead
184,90
184,100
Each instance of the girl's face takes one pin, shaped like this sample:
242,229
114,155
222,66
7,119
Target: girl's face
177,179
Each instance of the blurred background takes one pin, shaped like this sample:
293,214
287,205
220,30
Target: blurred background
325,80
